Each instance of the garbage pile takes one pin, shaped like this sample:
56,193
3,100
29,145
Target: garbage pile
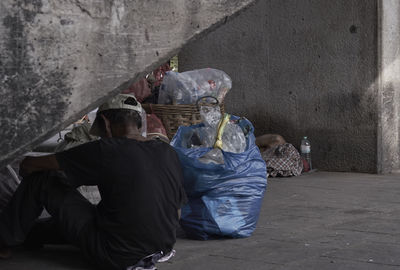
225,176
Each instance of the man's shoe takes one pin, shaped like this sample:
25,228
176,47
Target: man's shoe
5,253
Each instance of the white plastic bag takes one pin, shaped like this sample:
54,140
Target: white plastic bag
188,87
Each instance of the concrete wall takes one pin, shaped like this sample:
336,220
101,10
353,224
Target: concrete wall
60,59
303,67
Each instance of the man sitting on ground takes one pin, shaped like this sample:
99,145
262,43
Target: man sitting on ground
140,182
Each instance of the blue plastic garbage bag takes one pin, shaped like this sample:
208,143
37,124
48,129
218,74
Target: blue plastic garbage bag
224,200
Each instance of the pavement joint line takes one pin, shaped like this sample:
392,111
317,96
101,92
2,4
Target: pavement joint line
243,259
383,202
365,211
355,260
319,207
286,241
384,243
372,232
316,187
288,215
383,219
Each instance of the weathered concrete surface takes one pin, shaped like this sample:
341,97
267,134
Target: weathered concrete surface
60,59
389,87
305,68
318,221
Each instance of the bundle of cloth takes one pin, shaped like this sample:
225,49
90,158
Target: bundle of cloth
282,158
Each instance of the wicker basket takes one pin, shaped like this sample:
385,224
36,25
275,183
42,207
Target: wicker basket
173,116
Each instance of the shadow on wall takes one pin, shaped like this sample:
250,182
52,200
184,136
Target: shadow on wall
304,68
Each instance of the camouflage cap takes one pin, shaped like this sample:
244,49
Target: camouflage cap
120,101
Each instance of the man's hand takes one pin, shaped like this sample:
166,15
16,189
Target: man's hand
36,164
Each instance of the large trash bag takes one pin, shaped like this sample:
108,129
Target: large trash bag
224,200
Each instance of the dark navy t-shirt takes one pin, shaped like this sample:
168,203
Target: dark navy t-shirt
141,187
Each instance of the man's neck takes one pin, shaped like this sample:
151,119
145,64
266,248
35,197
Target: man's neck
135,136
128,132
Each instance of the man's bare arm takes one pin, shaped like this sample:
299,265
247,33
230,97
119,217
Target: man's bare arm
36,164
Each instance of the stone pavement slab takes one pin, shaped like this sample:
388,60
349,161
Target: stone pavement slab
320,220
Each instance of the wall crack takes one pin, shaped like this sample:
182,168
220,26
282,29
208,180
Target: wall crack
83,9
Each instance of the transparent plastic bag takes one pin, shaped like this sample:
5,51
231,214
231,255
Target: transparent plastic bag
188,87
233,138
210,115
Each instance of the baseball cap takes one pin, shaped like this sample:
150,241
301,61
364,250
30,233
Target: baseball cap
120,101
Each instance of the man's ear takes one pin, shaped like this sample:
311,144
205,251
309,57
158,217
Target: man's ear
107,126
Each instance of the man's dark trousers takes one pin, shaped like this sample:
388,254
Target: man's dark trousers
74,215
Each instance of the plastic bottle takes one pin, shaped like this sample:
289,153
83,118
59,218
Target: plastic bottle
305,149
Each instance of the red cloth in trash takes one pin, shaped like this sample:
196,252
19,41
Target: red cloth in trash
140,89
155,127
159,73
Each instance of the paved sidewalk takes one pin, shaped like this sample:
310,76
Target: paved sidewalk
317,221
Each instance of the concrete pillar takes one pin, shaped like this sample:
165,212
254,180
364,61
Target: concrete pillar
60,59
389,86
323,69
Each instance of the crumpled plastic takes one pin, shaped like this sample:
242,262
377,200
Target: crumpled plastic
188,87
233,138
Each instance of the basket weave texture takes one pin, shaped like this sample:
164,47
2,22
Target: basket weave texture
173,116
